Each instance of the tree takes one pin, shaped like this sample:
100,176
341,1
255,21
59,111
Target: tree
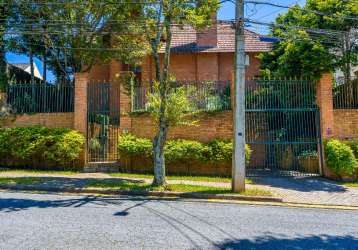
159,17
5,13
72,36
318,37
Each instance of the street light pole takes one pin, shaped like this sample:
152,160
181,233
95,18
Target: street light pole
238,159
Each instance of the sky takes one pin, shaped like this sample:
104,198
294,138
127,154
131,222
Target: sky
262,13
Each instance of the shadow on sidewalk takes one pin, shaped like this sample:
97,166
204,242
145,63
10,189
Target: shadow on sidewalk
301,184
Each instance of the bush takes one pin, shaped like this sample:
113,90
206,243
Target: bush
340,158
180,150
354,146
40,144
129,145
221,151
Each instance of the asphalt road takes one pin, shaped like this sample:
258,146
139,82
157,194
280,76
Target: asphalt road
44,221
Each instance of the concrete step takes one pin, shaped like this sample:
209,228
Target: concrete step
102,167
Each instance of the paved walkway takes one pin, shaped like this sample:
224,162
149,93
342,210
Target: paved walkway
310,190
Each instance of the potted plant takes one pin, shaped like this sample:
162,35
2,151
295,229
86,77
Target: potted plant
308,161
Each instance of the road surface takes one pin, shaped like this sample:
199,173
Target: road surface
49,221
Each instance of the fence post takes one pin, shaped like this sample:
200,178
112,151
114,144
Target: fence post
80,110
325,104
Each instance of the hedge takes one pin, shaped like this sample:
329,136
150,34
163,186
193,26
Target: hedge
340,157
40,144
180,150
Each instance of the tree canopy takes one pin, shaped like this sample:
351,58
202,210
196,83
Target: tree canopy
72,35
319,37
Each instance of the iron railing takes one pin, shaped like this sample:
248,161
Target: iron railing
345,96
203,95
282,127
38,98
103,120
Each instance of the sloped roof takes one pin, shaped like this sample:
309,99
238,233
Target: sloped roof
22,66
185,40
26,68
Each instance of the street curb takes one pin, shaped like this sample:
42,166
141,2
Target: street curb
146,193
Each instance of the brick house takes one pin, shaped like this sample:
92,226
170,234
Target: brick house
195,56
198,55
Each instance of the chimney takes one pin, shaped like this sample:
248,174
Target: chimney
208,37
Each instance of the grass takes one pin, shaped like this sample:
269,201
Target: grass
111,184
35,172
179,177
21,180
351,184
123,175
140,186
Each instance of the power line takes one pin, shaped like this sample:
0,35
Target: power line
303,10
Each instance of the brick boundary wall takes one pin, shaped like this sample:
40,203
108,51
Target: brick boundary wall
50,120
345,124
210,126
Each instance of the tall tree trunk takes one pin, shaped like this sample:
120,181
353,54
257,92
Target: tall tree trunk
161,136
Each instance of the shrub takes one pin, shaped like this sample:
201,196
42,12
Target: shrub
40,144
176,150
340,158
354,146
180,150
129,145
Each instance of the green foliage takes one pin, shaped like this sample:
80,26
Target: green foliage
303,53
353,144
85,42
183,150
177,106
216,151
40,143
129,145
340,158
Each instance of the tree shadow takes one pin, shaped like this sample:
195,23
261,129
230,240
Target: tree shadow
9,205
314,242
66,182
301,183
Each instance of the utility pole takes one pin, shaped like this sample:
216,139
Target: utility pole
238,159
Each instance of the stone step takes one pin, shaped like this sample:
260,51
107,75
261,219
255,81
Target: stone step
102,167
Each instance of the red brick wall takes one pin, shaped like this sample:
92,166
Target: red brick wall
345,123
325,103
51,120
209,127
202,66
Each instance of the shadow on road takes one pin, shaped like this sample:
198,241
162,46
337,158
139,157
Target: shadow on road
8,205
315,242
185,227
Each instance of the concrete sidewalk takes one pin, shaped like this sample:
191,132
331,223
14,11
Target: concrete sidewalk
306,190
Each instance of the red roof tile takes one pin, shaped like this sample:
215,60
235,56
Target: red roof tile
185,40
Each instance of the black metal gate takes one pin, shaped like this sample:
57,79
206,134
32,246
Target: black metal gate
282,127
103,119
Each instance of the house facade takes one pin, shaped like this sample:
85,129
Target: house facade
197,56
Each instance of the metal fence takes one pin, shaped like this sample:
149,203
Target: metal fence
203,95
37,98
282,127
345,96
